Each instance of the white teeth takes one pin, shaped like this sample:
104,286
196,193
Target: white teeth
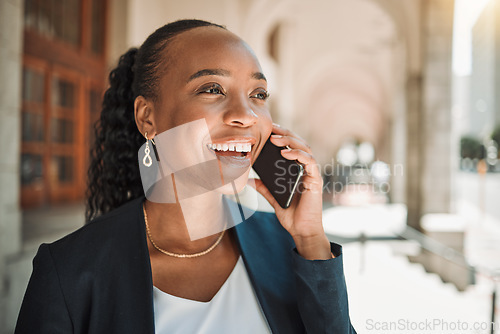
232,147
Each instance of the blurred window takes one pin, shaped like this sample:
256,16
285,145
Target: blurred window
64,167
33,106
33,85
31,169
55,19
97,26
95,102
63,78
63,93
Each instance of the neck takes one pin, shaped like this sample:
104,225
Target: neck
187,226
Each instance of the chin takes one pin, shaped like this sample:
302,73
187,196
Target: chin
237,185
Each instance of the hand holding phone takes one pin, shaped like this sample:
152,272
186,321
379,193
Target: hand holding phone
281,176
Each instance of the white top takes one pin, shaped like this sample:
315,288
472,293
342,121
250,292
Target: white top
234,309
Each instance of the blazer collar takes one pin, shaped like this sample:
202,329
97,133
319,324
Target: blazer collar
266,250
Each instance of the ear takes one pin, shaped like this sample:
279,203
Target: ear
143,112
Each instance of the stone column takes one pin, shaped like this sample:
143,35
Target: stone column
429,116
436,103
398,146
414,149
118,18
11,37
286,75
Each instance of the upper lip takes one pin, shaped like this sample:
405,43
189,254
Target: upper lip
234,140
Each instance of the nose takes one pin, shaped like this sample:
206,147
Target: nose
240,113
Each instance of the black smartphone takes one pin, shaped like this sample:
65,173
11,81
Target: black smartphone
279,175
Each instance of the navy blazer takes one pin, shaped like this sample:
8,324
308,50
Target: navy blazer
98,280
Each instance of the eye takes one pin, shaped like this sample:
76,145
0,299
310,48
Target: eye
212,89
261,94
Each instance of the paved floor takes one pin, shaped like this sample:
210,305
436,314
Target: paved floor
393,294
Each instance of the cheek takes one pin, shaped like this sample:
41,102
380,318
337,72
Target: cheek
195,109
166,117
265,127
266,124
183,114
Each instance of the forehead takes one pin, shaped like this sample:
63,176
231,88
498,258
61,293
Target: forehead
209,47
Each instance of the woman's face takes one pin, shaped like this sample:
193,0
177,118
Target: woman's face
211,76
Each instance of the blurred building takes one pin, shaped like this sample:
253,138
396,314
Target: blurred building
374,71
484,112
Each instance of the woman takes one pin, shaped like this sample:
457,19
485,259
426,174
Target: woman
135,268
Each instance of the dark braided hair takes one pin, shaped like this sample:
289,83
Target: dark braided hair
113,175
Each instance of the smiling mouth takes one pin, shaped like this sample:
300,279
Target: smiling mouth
231,149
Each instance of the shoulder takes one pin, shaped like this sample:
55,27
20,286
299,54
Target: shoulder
91,267
107,232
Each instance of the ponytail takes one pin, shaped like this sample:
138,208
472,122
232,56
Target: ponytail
113,175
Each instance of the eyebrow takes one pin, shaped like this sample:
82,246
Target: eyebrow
259,76
222,73
206,72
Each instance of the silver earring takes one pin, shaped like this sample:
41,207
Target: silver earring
147,161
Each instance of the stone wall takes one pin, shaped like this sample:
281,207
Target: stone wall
11,12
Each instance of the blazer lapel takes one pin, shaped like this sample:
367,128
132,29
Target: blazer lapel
266,250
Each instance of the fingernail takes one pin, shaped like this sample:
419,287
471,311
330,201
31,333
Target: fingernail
286,150
277,125
277,136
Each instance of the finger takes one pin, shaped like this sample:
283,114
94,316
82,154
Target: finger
279,130
291,142
312,184
305,159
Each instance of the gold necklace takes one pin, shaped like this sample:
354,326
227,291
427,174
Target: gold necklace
175,254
